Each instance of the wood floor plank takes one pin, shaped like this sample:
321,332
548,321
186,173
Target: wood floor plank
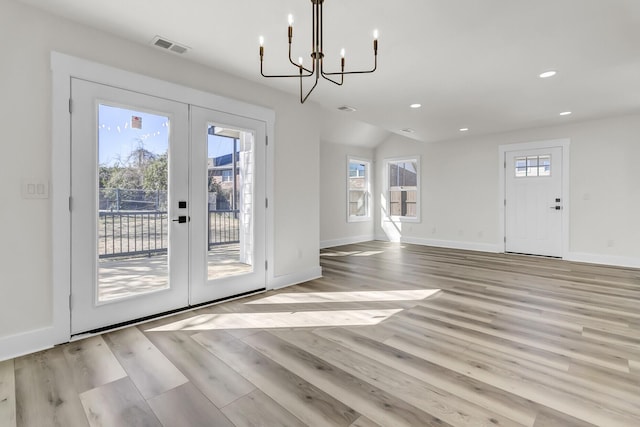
364,422
147,367
93,363
482,394
7,394
581,350
549,418
186,406
45,392
392,334
418,393
259,410
307,402
206,372
371,401
117,404
534,391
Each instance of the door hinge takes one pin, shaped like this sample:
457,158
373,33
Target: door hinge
266,264
505,164
266,140
70,105
505,202
266,203
70,304
505,239
70,203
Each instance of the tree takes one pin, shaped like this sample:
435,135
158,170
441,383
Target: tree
155,174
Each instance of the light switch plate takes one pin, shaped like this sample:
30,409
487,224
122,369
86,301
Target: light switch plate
33,188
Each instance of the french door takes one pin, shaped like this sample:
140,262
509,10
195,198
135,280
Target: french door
228,205
162,210
534,201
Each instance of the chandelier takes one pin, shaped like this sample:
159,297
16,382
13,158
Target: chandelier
317,55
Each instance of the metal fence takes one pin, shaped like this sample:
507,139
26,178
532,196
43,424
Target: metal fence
138,233
224,227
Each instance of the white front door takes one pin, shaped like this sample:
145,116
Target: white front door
534,201
228,190
129,183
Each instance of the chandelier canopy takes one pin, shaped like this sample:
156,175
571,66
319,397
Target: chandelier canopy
317,55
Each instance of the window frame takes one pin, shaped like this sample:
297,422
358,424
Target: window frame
387,188
367,188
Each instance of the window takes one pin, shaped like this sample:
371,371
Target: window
227,175
358,189
533,166
403,178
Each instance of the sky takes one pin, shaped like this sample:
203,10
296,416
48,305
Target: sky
118,135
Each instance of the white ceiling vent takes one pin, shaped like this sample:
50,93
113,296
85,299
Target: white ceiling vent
166,44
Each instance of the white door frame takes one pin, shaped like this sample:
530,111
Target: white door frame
64,67
563,143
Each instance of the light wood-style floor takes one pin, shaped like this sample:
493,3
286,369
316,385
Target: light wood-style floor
392,335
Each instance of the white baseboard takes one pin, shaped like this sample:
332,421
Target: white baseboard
346,241
450,244
613,260
28,342
293,279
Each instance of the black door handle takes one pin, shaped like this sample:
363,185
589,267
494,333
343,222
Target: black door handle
181,219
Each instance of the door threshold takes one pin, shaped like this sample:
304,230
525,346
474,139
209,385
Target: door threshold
142,320
533,255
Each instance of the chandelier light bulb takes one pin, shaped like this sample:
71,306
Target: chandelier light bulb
300,60
342,52
261,39
290,18
375,34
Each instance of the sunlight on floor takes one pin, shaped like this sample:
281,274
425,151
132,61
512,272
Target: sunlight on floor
357,296
304,319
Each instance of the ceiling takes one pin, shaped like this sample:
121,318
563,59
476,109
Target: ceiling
470,63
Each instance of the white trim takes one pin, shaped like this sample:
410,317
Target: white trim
450,244
346,241
564,144
609,260
64,67
286,280
24,343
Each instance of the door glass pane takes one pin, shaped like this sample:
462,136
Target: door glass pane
544,166
132,223
230,165
532,166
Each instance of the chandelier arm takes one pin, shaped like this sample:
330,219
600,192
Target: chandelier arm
298,65
310,90
282,75
337,73
325,76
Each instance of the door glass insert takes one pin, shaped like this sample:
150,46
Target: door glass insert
230,214
533,166
132,220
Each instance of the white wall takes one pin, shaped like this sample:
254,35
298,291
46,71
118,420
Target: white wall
25,119
460,189
334,228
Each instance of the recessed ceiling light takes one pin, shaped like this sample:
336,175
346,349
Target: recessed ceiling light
565,113
415,105
463,129
548,74
347,109
408,130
